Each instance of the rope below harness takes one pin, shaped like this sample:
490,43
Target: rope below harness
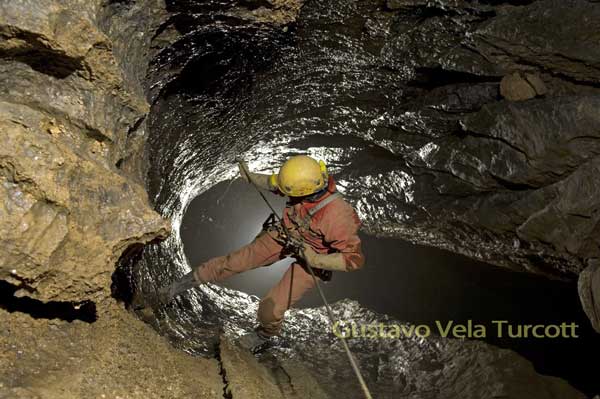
330,314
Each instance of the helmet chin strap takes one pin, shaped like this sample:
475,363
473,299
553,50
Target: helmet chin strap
308,198
315,196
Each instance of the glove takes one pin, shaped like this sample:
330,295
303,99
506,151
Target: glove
308,255
333,262
262,181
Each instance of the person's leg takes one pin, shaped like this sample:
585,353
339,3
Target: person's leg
263,251
292,286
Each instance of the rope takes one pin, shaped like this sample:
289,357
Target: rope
332,319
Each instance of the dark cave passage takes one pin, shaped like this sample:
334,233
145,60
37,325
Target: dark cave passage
68,311
413,283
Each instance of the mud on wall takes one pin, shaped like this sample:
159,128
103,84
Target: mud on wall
72,114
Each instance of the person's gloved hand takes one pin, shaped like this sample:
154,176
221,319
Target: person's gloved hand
260,180
308,254
333,262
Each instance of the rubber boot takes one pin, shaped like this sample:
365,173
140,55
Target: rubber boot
255,341
166,294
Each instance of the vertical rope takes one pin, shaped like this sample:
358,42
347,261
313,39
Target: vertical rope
293,266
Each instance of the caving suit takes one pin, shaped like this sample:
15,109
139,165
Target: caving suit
333,228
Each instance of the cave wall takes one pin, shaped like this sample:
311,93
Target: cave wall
72,163
501,156
501,143
469,126
505,166
72,115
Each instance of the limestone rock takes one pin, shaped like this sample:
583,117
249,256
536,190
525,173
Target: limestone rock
114,357
556,35
589,292
61,37
521,170
66,218
537,83
537,140
246,377
514,88
65,112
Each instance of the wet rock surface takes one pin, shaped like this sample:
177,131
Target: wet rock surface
404,102
589,286
556,36
400,98
393,366
417,367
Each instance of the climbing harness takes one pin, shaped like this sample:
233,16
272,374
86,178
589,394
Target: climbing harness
303,224
297,245
294,244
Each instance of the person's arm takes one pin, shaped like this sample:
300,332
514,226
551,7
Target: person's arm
339,224
261,180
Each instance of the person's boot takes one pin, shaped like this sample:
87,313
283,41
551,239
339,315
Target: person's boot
256,341
166,294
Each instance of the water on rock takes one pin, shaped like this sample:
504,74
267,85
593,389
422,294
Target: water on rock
402,101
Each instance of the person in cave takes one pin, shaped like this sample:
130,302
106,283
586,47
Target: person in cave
321,223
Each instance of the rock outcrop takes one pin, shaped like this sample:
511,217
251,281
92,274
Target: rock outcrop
512,183
247,377
116,357
589,288
559,37
509,182
72,127
515,87
67,116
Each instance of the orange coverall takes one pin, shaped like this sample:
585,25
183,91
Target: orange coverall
334,228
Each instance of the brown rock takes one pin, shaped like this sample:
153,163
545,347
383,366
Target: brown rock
589,292
66,218
537,83
117,356
514,88
61,38
248,378
65,111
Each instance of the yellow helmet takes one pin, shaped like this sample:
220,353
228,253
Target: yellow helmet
299,176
